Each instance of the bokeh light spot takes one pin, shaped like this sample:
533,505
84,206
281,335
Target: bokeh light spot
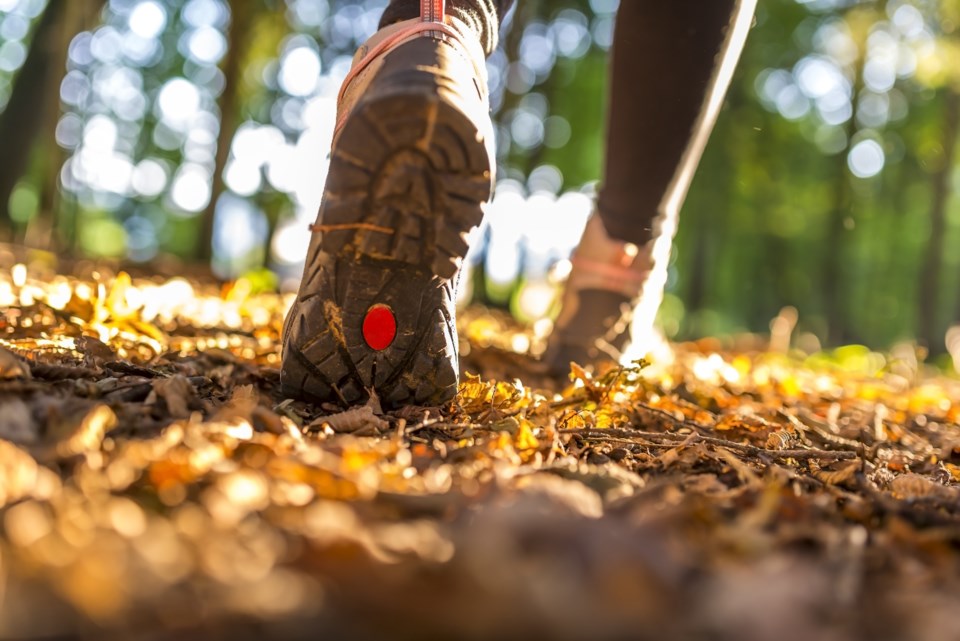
866,159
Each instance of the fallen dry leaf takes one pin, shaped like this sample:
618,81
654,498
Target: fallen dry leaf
162,487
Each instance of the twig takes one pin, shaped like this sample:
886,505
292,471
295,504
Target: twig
686,422
567,402
923,513
426,422
749,450
439,423
62,372
818,427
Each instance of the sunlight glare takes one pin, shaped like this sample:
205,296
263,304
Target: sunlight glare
207,45
149,178
908,20
148,19
290,242
179,102
866,159
191,188
300,71
243,177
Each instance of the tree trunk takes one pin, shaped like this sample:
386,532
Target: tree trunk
78,16
707,226
241,21
30,106
831,284
931,332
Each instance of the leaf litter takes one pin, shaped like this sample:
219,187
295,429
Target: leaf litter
154,484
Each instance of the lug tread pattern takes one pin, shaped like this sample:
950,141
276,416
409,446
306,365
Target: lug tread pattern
407,179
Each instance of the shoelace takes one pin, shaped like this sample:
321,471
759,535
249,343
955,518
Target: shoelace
432,10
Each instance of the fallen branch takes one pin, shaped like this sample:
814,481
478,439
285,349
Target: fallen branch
689,439
670,416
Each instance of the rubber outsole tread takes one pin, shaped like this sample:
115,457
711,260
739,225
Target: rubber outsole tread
408,175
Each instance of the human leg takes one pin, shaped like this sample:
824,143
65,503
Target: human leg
671,66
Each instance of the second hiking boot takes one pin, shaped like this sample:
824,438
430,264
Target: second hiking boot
608,279
411,164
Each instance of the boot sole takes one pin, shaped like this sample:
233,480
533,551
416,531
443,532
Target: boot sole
407,179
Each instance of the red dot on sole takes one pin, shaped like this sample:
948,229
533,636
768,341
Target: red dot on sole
379,327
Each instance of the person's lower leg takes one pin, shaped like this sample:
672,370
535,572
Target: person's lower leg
672,64
659,119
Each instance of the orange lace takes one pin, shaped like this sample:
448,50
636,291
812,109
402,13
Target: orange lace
432,10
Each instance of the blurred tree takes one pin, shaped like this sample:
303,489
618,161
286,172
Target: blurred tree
243,14
33,105
21,120
198,129
833,285
931,302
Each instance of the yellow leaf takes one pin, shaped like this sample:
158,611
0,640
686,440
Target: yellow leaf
474,394
121,301
954,470
525,439
606,419
573,419
505,394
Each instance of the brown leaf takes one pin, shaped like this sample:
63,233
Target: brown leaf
95,350
268,421
838,473
240,405
177,393
553,491
669,457
915,486
744,423
12,367
704,484
351,421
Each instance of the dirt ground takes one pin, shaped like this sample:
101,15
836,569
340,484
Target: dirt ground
154,485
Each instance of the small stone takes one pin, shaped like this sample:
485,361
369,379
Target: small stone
596,458
618,454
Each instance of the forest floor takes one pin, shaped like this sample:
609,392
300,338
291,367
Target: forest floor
155,485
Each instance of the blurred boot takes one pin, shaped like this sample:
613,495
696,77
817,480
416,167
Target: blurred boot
412,162
610,282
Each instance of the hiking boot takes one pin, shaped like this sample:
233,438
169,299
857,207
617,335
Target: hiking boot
411,164
599,300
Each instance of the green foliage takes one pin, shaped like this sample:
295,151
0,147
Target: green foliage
786,209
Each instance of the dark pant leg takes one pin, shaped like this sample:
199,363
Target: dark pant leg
482,16
672,61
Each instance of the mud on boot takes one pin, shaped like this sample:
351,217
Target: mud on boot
411,164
